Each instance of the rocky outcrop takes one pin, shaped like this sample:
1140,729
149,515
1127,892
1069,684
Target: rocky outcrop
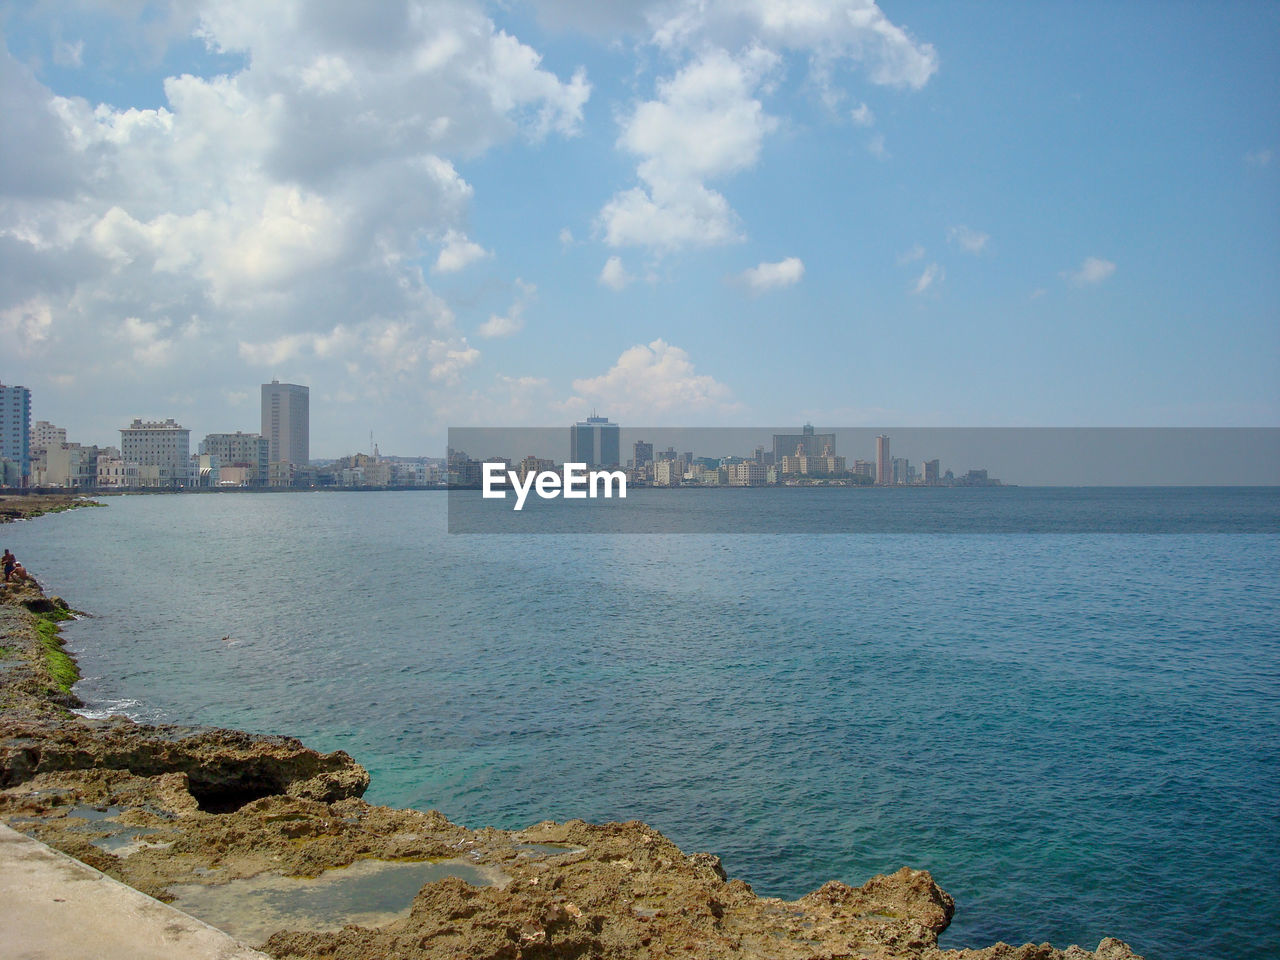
225,769
162,806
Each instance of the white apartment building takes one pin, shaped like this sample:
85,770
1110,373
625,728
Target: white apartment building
161,449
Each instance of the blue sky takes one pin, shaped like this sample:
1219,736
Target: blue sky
712,213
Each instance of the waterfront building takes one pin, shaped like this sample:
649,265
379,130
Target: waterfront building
932,471
15,436
749,473
667,473
595,442
161,449
45,436
806,443
864,468
901,470
884,466
70,465
642,453
252,451
534,465
286,423
115,472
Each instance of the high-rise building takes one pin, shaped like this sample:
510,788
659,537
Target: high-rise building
46,436
932,472
250,451
642,453
595,442
884,465
161,449
15,436
286,423
806,443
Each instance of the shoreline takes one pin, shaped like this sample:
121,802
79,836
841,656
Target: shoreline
180,812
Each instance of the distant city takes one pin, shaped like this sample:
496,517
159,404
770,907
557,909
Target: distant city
156,454
806,458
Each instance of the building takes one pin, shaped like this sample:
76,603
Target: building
161,449
903,472
70,465
667,473
932,473
595,442
749,473
864,468
114,472
45,436
248,450
286,424
15,436
884,465
806,443
642,453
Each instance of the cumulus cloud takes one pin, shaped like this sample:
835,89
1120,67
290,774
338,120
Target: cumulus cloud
653,379
457,253
771,276
970,241
854,31
931,275
708,120
614,275
512,322
1092,271
706,123
289,201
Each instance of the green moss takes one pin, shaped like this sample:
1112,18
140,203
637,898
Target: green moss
61,667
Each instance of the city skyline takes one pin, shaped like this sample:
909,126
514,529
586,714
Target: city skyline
686,214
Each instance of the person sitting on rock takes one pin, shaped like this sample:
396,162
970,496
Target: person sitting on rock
20,574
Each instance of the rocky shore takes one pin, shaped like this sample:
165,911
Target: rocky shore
181,812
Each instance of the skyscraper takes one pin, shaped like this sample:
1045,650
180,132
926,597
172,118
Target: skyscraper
286,422
884,465
15,436
595,442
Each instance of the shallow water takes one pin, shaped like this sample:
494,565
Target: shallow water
1074,733
368,893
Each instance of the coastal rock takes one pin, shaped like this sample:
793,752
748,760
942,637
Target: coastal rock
225,768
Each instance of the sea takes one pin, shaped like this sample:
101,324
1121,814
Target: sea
1077,734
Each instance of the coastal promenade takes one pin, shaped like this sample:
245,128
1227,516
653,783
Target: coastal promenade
55,908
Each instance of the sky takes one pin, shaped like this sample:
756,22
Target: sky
680,212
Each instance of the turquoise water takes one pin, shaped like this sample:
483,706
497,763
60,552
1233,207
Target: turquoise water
1076,733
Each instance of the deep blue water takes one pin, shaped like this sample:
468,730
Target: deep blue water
1076,733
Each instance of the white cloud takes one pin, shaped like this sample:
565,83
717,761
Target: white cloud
1258,158
1092,271
932,274
614,275
911,256
653,379
771,276
862,116
566,237
288,202
706,123
827,32
512,322
26,324
448,360
876,147
458,253
970,241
